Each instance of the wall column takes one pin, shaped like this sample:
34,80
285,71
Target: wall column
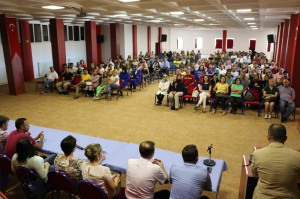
57,34
159,39
284,43
276,44
12,55
134,40
26,51
290,46
149,39
279,44
115,40
224,40
91,43
99,49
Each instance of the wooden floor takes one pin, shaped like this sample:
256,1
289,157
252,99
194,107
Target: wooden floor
134,118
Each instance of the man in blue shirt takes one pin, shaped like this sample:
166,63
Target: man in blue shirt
188,179
165,65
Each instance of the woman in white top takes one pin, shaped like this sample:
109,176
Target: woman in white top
112,84
99,174
26,156
163,88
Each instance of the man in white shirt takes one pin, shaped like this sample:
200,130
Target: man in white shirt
49,78
73,69
144,173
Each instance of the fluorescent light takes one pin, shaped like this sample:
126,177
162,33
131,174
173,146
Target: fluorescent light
197,20
126,1
243,10
177,13
151,17
137,14
155,20
93,13
53,7
120,15
248,19
253,26
104,18
251,23
137,19
89,17
213,24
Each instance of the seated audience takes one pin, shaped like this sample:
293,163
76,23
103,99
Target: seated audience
221,90
229,78
49,79
82,64
244,80
66,162
214,80
236,95
3,134
22,127
205,90
144,173
26,156
189,179
177,90
163,88
278,75
113,83
256,83
270,98
277,167
210,71
84,78
100,175
105,80
156,72
287,97
145,72
73,69
125,77
135,78
165,65
188,79
93,83
62,86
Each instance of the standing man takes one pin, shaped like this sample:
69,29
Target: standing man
189,179
277,167
49,78
3,134
287,97
22,127
144,173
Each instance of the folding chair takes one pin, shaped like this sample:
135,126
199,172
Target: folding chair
5,169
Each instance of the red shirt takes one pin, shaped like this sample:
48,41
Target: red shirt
12,140
83,66
188,79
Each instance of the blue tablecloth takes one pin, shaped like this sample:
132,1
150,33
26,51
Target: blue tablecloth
117,153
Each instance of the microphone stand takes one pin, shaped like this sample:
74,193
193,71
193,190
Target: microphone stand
209,161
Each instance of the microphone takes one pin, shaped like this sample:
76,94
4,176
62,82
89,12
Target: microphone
79,147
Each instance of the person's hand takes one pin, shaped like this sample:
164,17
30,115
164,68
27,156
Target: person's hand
158,162
290,101
40,136
46,165
174,92
117,178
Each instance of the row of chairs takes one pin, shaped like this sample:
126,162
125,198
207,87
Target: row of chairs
34,187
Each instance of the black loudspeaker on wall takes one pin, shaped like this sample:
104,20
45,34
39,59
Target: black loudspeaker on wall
271,38
163,38
100,39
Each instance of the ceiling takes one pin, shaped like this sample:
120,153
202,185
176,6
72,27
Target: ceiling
204,14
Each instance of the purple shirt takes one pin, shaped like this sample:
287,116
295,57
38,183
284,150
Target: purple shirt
286,93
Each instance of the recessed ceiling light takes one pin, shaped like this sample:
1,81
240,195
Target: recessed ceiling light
155,20
199,20
248,19
53,7
128,0
251,23
243,10
177,13
253,26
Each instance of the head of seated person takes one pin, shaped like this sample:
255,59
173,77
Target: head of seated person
277,133
147,149
94,153
66,162
190,154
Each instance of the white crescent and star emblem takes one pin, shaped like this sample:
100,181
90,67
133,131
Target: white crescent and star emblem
12,27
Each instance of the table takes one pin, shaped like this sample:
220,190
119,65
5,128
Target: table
117,153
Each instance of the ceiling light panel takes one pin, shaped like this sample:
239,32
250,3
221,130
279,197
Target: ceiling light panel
243,10
53,7
177,13
127,1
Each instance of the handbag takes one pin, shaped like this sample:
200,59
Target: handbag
222,95
195,93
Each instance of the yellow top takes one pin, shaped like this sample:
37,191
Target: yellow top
176,62
85,77
222,87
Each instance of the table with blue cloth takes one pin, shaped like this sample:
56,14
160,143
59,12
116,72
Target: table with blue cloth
117,153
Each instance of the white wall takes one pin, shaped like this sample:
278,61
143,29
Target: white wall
126,45
142,38
166,45
105,47
3,77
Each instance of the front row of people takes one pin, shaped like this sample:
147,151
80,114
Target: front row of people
233,94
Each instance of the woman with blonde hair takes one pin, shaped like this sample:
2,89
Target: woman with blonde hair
98,174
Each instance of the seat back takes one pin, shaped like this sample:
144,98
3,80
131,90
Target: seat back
120,83
2,196
60,78
191,89
77,80
89,190
31,183
5,164
60,181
